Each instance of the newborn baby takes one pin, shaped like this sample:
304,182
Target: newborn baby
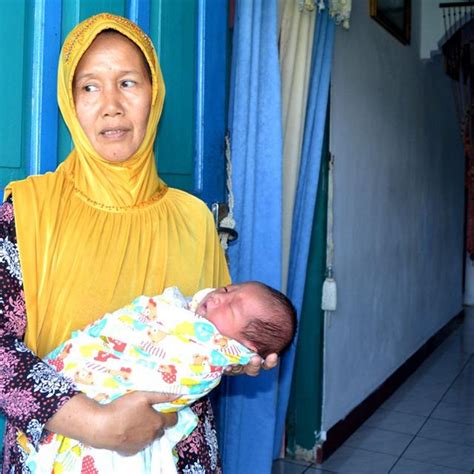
170,344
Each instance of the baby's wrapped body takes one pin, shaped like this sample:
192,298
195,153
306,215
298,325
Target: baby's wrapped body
154,344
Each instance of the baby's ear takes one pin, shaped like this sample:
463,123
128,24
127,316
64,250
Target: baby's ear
250,345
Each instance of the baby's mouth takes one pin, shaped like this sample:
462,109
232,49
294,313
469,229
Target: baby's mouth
201,310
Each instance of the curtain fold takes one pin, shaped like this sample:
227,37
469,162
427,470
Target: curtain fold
247,408
306,197
296,44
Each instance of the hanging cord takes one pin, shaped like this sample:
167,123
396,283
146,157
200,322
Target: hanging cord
329,296
226,226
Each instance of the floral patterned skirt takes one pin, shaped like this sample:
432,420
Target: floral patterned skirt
198,453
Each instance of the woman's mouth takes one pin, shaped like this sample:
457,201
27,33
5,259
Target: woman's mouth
114,133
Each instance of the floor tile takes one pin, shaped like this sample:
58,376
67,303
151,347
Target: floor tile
395,421
426,387
440,453
463,341
459,413
406,466
442,430
461,392
428,421
281,466
432,387
359,461
381,441
445,371
315,470
413,403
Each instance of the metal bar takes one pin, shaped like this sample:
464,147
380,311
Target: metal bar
456,4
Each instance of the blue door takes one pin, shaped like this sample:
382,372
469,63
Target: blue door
191,41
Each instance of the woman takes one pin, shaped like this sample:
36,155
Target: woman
88,238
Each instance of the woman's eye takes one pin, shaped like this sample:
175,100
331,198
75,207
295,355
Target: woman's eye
128,83
90,88
226,289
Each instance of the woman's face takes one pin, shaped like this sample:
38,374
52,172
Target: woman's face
112,95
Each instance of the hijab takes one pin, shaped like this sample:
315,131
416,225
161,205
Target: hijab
94,234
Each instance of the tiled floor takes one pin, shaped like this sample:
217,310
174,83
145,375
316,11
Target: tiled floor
426,427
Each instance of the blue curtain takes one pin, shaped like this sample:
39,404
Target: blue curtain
247,411
306,196
252,411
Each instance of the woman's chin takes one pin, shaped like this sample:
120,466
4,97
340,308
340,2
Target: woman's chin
115,157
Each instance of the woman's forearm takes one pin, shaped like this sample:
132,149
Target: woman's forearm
76,419
127,425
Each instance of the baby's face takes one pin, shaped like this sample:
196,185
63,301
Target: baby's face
230,309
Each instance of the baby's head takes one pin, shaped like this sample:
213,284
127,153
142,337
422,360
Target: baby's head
258,316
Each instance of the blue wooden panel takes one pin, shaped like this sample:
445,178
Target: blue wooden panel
44,112
173,30
191,40
15,45
139,12
211,104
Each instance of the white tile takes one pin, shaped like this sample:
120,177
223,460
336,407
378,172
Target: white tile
314,470
282,466
442,430
446,369
412,402
396,421
461,392
457,412
462,340
425,387
440,453
406,466
359,461
381,441
468,372
432,387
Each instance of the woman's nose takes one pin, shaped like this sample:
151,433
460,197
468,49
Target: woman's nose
112,104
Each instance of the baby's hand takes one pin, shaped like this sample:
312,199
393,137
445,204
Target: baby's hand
253,367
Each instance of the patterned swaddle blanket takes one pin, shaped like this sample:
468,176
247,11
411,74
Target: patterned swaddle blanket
154,344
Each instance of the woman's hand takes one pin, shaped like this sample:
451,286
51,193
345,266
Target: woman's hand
253,367
130,423
126,425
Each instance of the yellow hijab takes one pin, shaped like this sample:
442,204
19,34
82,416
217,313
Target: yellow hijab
94,234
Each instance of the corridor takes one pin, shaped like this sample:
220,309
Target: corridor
425,427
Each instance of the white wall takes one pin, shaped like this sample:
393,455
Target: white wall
398,209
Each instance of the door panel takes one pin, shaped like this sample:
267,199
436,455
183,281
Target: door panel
15,41
173,30
192,40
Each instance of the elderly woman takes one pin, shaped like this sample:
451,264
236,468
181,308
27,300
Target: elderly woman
87,239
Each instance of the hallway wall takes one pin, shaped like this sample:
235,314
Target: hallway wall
398,209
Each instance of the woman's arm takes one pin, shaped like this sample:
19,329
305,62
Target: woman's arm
30,390
126,425
34,396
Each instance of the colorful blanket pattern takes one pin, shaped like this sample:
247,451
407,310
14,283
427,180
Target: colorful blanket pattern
154,344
